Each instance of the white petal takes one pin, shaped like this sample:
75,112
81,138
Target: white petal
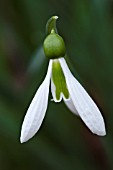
85,106
70,105
37,109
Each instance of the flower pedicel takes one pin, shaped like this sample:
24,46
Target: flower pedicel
63,86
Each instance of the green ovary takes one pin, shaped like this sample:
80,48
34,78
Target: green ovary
59,80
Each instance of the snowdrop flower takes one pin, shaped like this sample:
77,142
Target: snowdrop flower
63,86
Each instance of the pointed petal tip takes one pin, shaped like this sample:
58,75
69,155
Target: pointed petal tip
99,127
25,135
101,132
23,139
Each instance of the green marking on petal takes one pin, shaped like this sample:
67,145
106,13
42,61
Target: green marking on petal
59,80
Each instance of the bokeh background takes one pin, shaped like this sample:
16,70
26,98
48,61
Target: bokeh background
63,142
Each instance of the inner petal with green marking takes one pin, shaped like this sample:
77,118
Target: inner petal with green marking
59,80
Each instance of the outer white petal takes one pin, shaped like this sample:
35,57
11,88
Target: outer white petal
37,109
85,106
70,105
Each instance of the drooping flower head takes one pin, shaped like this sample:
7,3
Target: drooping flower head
63,86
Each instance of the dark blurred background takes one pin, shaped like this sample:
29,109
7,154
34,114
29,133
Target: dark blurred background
63,142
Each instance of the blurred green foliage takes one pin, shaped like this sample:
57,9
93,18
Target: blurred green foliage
63,142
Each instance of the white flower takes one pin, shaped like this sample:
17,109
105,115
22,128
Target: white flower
63,86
